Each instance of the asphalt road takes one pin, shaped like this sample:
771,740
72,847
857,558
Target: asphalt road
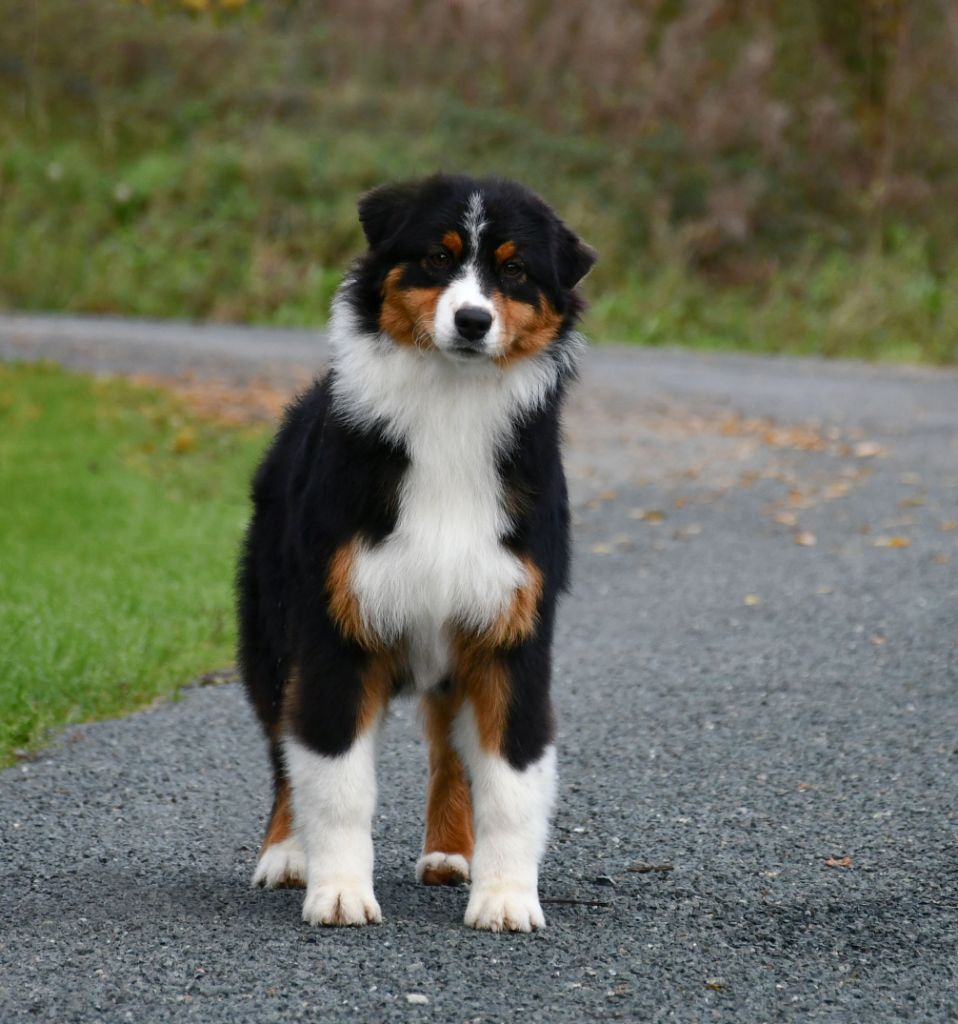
756,687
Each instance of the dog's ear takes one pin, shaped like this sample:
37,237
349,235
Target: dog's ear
383,211
575,259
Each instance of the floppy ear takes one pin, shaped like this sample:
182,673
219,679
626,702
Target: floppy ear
383,211
576,258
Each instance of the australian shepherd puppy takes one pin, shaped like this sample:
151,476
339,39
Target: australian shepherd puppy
410,534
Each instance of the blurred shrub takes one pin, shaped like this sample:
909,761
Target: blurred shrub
732,159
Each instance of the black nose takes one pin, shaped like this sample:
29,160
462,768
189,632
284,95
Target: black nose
472,322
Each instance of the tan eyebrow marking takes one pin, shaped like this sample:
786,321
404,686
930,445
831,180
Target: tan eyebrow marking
505,252
452,240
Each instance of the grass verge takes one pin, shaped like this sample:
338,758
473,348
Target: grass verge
744,191
118,533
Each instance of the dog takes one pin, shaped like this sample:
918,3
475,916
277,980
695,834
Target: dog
410,533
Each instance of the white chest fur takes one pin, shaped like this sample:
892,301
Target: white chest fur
444,563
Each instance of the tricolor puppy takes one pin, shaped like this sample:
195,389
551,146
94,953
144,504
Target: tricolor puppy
410,535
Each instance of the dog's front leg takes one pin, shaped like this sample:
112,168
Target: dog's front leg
330,746
512,806
333,801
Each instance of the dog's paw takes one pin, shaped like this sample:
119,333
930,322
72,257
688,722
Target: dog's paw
442,869
281,866
341,903
501,908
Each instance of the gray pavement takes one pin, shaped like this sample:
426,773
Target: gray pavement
755,683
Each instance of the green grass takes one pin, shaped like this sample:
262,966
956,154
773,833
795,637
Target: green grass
119,526
207,229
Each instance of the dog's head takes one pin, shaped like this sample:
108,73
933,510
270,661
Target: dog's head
476,268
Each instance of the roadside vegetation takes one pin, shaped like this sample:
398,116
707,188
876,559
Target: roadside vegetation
773,177
119,527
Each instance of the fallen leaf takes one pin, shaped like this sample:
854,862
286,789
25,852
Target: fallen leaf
838,489
868,449
949,524
601,549
838,862
911,502
878,639
752,600
647,515
806,539
715,984
786,518
892,542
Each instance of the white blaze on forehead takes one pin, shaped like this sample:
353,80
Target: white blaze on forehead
466,288
474,222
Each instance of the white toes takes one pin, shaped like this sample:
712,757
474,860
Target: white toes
282,864
501,908
442,869
342,903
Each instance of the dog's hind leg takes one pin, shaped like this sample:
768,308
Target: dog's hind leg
264,663
448,840
282,860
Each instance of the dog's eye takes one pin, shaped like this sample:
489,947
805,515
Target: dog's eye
439,257
513,268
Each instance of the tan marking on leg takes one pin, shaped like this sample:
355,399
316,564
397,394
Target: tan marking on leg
279,829
479,669
378,678
484,681
280,825
452,240
343,604
448,803
526,329
517,622
408,314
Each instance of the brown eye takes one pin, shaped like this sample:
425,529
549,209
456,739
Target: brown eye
439,258
513,268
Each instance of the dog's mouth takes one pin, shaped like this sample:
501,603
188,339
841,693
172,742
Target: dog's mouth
467,349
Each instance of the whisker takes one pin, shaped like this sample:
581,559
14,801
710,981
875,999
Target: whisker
420,333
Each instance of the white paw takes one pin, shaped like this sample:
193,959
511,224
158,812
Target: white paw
281,865
504,908
346,903
442,869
